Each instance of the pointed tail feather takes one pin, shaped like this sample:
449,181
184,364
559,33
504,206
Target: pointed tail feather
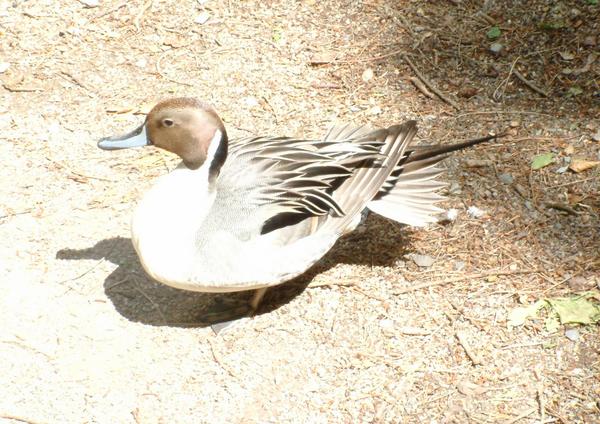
410,193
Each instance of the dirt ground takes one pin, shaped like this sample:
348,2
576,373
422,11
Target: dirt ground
366,335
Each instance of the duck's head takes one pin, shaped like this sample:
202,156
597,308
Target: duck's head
185,126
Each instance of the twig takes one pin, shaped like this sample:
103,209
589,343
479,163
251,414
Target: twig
67,76
369,295
461,311
462,339
463,278
429,84
83,273
417,83
529,83
27,347
572,182
562,207
138,17
152,302
507,112
159,70
219,362
521,416
370,59
18,418
108,12
66,168
331,284
504,82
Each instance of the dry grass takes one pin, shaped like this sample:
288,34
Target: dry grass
365,336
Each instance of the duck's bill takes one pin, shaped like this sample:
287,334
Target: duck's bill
136,138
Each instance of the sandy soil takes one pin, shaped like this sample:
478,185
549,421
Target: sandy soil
366,335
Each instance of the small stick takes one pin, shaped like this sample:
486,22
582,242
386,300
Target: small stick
17,418
417,83
114,9
138,18
573,182
331,284
160,72
462,339
466,277
504,82
562,207
529,83
429,84
219,362
523,415
461,311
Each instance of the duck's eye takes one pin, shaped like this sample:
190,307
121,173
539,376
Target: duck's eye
168,122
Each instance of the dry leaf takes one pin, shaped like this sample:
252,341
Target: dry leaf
580,165
569,150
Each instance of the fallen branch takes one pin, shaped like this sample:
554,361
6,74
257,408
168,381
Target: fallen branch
529,84
429,85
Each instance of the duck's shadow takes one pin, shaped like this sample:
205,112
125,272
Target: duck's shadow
139,298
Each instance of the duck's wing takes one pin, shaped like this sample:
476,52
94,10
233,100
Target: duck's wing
311,185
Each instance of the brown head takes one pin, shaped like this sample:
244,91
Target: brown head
185,126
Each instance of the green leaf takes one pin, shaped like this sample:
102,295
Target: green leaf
583,309
493,33
576,310
542,160
593,2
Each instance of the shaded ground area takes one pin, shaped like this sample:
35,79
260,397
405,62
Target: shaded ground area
365,336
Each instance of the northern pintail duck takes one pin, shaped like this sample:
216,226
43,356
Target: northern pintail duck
254,212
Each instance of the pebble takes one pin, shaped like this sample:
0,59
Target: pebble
251,102
91,3
4,67
589,41
452,214
572,334
400,263
475,212
386,324
496,48
595,137
459,265
202,18
423,261
454,188
506,178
